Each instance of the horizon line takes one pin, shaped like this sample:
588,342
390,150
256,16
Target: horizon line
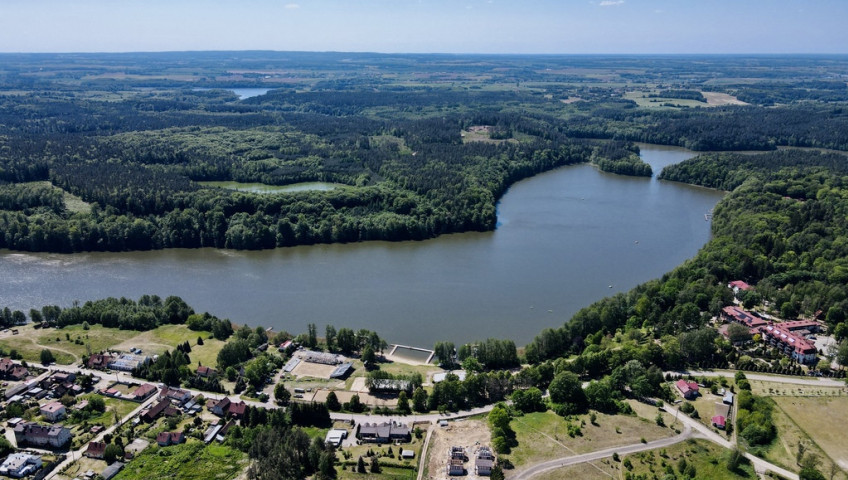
367,52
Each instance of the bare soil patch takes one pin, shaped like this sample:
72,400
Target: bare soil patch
716,99
470,434
308,369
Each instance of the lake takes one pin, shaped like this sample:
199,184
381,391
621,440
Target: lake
241,92
565,239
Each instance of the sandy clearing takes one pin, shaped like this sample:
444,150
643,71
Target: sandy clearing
470,434
716,99
308,369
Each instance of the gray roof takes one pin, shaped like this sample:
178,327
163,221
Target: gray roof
112,470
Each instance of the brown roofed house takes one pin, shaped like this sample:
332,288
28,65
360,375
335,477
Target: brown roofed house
95,450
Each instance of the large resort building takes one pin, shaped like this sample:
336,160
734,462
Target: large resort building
788,337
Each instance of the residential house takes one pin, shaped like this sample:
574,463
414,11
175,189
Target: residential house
456,462
688,389
19,373
143,392
484,462
205,372
237,409
175,395
458,452
153,412
53,411
719,422
99,361
221,407
19,465
62,377
165,439
41,435
95,450
6,366
384,432
738,285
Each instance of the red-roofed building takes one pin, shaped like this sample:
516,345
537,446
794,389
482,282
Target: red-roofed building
53,411
170,438
6,366
689,390
790,344
156,410
204,371
236,410
737,285
99,362
736,314
144,392
95,450
175,394
719,422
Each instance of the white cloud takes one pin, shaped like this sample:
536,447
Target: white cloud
610,3
292,6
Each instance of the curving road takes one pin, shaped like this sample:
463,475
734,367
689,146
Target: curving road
599,454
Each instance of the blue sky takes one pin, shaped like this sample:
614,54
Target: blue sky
457,26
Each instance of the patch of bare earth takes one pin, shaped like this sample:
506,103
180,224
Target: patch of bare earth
716,99
470,434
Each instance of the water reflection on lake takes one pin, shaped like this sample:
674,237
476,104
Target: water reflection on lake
565,239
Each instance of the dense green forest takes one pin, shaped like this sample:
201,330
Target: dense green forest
91,159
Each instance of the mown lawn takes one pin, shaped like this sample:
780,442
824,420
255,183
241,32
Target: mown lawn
189,461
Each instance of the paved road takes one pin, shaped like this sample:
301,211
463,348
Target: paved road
599,454
703,431
75,455
691,427
808,381
428,417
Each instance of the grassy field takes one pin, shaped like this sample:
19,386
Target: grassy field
641,98
544,436
189,461
707,458
818,422
72,343
386,473
775,389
